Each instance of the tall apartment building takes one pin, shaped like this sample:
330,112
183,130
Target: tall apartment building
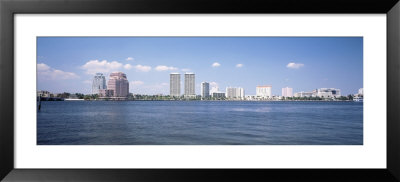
234,93
190,85
205,90
119,84
99,83
175,84
264,91
287,92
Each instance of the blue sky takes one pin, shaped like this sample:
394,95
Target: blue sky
303,63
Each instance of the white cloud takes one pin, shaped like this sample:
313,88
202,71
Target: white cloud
95,66
213,84
165,68
136,82
239,65
42,67
185,69
142,68
216,64
294,65
128,66
47,73
129,59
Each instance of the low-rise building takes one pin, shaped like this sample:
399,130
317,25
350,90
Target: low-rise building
303,94
43,93
218,95
106,93
327,92
250,97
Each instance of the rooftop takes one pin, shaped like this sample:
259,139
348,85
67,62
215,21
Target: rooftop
262,86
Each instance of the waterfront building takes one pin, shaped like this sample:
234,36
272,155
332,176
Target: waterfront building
190,85
264,92
175,84
218,95
99,82
361,91
119,84
214,90
106,93
303,94
359,97
205,90
327,92
250,97
234,93
287,92
43,93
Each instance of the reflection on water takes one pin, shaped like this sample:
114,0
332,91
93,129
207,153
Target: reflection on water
263,109
199,123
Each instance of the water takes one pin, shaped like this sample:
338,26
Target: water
199,123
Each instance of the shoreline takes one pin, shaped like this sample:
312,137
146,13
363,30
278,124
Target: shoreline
231,100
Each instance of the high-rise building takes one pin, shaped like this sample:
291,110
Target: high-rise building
175,84
287,92
234,93
264,91
205,90
119,84
190,85
99,82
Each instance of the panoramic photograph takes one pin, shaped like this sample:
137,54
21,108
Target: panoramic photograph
199,91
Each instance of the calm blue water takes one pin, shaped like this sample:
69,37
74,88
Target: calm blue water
199,123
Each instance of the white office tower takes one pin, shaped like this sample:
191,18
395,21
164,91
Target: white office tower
287,92
99,82
264,92
361,91
205,90
234,93
190,85
175,85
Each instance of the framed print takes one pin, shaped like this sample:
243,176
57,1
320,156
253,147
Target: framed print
153,91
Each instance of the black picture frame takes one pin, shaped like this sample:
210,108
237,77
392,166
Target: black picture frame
8,8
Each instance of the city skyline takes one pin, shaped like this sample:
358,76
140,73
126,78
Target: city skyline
303,64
